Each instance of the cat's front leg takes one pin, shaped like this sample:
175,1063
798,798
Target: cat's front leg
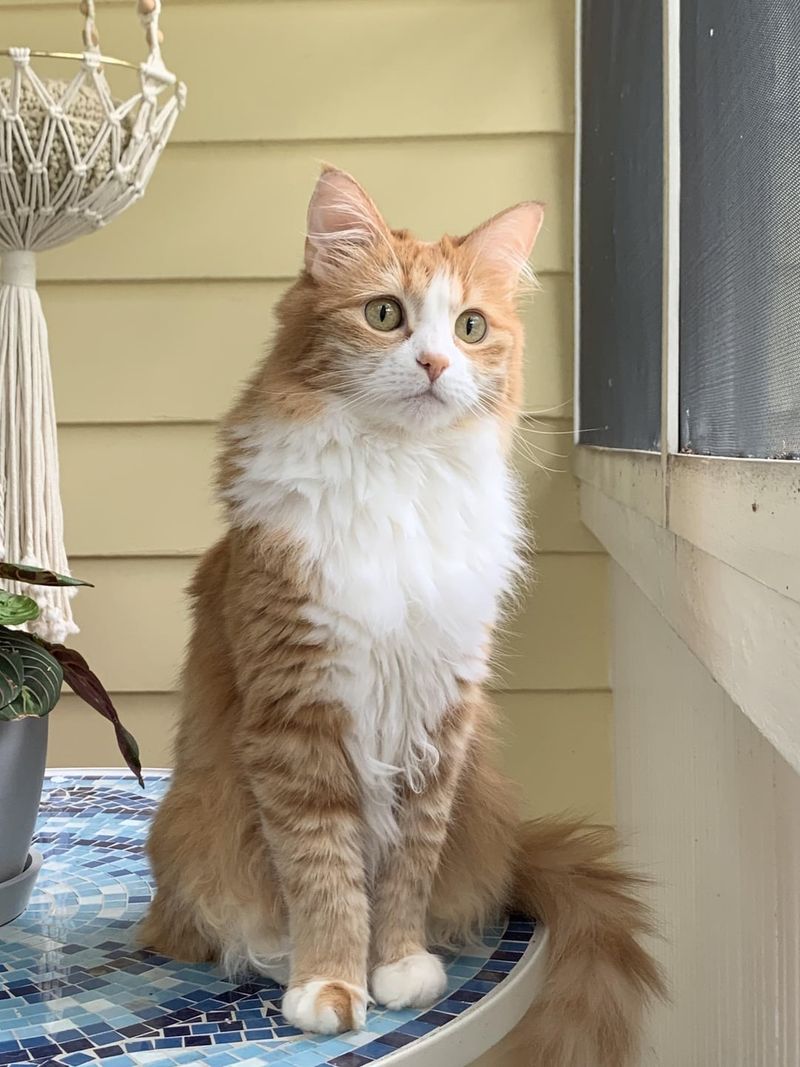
310,808
404,973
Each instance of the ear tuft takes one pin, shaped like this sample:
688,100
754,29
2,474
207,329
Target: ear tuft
342,220
504,243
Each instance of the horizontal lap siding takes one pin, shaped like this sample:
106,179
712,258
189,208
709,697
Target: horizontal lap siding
238,210
322,70
167,509
447,110
134,623
575,726
149,341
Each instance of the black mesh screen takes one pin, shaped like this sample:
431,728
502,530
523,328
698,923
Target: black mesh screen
740,227
620,225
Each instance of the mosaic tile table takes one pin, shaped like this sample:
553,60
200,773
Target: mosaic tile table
75,989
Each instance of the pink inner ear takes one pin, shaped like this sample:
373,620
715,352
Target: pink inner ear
341,218
505,242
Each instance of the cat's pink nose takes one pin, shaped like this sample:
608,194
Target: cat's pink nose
435,366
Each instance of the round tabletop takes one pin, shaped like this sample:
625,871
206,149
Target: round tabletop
76,989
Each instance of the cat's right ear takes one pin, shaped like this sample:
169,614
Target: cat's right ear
342,221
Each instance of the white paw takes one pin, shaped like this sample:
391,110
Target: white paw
413,982
325,1007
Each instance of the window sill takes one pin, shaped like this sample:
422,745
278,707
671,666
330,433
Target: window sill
713,544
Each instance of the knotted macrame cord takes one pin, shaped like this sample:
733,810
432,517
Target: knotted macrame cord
71,159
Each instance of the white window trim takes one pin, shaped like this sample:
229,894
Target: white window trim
714,543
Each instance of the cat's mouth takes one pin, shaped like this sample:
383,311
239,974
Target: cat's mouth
425,394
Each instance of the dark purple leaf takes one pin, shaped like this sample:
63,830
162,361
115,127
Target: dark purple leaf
85,684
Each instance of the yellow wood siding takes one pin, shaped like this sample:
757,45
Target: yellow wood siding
447,110
557,642
166,508
127,370
266,70
238,210
576,727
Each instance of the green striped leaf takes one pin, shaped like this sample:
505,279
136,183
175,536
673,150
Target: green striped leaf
11,677
18,572
15,609
42,676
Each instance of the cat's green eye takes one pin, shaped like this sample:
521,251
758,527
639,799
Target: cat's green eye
384,313
471,327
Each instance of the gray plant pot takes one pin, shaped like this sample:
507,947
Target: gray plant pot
23,753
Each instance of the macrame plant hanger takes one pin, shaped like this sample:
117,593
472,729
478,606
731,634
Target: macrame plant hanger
72,157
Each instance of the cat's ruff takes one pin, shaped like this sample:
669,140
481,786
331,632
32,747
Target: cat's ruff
414,542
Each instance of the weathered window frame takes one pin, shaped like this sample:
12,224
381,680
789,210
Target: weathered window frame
714,543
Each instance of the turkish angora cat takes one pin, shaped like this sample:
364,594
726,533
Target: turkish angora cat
334,807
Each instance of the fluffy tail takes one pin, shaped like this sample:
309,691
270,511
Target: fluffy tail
600,978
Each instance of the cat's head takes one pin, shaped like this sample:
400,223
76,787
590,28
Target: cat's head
406,333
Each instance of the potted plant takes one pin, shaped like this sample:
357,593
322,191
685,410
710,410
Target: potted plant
32,672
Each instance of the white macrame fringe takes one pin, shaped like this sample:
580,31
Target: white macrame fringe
72,158
31,518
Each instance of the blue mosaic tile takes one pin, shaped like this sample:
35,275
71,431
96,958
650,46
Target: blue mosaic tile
75,988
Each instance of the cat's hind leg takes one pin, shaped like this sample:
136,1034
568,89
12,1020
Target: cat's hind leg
217,897
172,925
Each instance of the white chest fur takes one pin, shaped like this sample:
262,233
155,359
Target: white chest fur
414,544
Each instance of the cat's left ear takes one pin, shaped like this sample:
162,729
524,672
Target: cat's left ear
503,244
342,221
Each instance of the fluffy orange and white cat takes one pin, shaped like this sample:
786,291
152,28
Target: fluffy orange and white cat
334,808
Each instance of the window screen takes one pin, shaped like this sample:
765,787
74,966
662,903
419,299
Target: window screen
740,237
620,224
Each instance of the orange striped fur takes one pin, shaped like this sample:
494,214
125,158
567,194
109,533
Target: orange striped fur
334,808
